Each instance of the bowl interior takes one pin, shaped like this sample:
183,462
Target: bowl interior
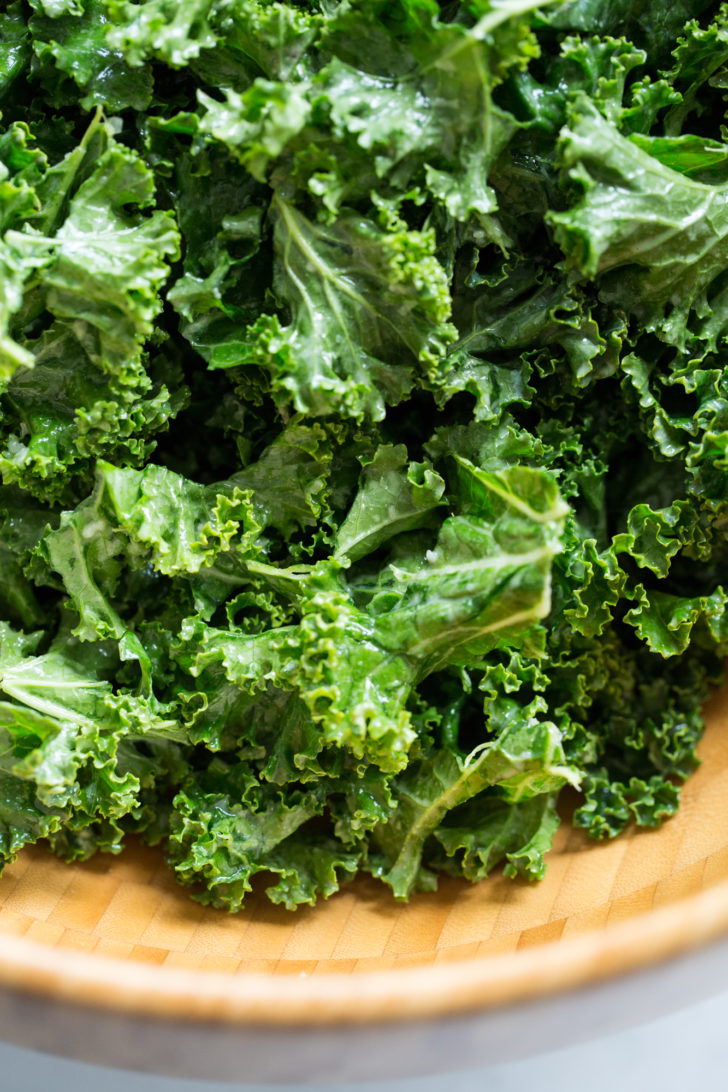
129,907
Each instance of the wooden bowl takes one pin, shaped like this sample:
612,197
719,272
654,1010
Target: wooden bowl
116,945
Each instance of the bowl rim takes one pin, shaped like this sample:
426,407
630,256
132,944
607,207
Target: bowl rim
417,992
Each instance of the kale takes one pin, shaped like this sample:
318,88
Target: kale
363,429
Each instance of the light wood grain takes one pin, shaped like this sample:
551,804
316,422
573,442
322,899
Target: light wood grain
119,931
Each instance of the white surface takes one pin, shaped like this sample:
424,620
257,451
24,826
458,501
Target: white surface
688,1049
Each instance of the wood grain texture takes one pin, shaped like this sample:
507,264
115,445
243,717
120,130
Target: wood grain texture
119,931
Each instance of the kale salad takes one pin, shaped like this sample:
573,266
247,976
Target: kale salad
363,429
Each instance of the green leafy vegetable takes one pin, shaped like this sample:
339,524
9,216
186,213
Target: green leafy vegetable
363,429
